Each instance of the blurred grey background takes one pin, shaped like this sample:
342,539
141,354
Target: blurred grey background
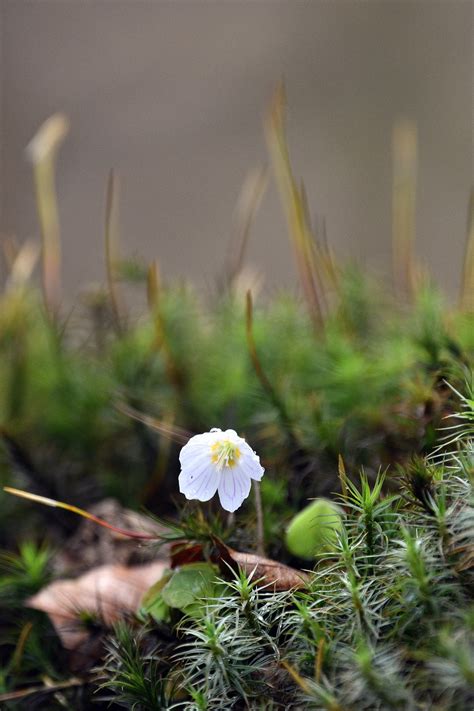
172,95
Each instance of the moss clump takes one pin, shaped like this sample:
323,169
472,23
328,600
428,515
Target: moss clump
351,372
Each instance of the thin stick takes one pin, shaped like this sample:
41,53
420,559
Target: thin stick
172,432
45,689
259,512
80,512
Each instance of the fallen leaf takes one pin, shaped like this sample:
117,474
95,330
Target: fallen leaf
272,573
106,594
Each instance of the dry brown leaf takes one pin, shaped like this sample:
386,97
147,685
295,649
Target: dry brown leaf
272,573
108,594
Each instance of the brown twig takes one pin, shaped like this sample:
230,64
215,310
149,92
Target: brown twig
172,432
46,501
46,688
259,513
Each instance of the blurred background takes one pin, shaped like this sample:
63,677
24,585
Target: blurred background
172,95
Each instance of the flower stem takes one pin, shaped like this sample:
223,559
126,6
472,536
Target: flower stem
259,512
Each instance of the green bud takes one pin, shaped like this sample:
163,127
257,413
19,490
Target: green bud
314,529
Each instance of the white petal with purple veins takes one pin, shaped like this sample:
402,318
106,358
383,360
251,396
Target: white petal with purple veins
234,487
200,484
250,463
222,461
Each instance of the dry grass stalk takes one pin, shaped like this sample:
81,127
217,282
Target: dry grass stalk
467,287
42,151
405,166
314,262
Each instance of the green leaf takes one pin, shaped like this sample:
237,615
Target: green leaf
152,604
189,584
314,529
181,589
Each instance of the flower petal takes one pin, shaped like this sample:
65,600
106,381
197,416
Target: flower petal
193,468
232,435
199,482
250,462
234,487
198,443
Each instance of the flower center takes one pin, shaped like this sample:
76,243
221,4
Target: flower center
225,454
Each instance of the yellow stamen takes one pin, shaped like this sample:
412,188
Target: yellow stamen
225,454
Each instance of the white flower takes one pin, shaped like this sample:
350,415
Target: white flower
218,461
